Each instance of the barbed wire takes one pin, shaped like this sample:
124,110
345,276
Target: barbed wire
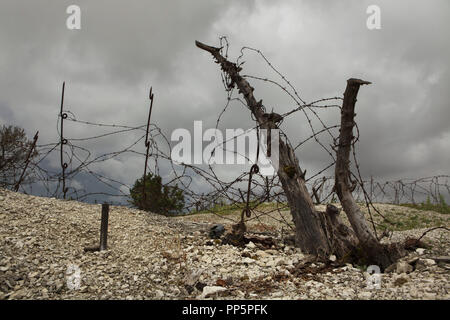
217,195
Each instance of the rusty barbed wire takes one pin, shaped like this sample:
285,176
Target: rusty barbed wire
219,194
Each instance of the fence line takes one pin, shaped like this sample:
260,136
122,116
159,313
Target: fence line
259,189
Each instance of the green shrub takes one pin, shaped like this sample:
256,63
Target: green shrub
14,149
162,199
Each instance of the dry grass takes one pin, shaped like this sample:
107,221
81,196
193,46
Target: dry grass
268,219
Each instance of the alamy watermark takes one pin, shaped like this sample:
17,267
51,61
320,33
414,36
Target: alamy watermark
374,277
73,21
236,146
374,20
73,274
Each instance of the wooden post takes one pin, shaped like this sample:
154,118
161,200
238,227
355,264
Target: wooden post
104,227
33,146
374,252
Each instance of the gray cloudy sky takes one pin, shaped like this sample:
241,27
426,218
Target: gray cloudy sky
123,47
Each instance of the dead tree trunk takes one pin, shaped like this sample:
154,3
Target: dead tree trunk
314,232
371,249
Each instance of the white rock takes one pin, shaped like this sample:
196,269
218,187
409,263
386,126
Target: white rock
365,295
277,294
347,293
429,262
175,291
251,245
404,267
271,263
429,296
207,259
240,293
281,262
159,294
332,258
420,251
248,260
192,278
422,264
210,290
262,254
33,274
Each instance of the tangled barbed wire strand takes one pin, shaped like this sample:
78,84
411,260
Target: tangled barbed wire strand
223,195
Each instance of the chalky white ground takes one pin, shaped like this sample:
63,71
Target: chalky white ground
154,257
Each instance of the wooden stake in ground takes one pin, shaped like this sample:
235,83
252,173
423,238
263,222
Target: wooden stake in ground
104,227
103,231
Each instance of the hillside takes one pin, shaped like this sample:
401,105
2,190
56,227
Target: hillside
155,257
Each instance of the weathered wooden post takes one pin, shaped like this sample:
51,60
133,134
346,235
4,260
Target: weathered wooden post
103,231
64,165
147,145
104,227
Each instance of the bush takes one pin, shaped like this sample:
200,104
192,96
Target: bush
14,148
162,199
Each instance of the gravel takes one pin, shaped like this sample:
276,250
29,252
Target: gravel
155,257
